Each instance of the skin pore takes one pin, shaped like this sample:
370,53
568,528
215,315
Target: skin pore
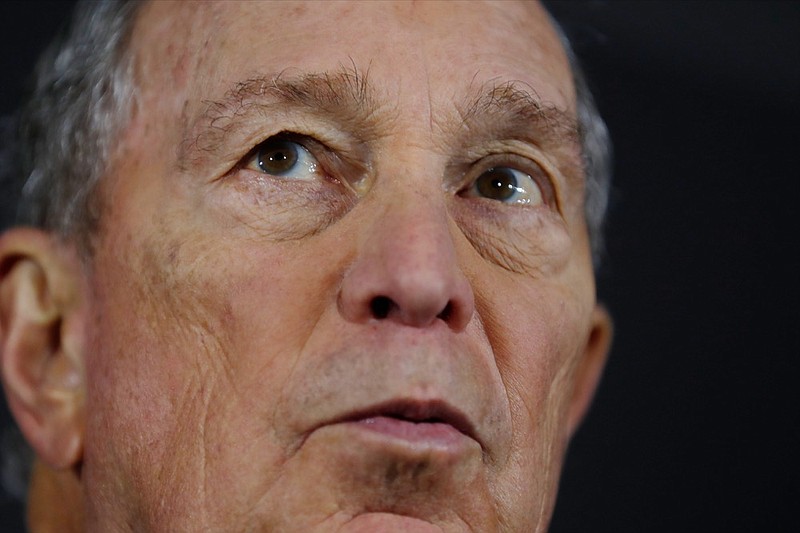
313,306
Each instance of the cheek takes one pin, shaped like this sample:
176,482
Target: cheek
537,336
196,342
540,349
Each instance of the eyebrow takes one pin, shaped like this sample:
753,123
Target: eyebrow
344,96
515,109
494,110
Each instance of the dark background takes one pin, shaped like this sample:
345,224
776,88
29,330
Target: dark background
696,424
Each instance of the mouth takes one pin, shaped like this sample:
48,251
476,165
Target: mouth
414,421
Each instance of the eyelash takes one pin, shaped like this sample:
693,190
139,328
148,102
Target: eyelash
308,143
326,159
530,167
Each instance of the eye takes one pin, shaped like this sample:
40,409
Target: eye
507,185
283,158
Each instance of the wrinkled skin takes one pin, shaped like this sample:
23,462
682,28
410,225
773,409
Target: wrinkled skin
367,344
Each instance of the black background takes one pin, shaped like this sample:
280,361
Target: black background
695,426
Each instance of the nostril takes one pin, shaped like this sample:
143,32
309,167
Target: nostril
446,313
380,307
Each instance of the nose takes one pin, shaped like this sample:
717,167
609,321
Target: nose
406,272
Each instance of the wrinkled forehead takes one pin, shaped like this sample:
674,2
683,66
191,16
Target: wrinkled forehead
421,52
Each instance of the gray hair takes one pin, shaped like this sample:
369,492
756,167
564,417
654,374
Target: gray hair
596,150
82,100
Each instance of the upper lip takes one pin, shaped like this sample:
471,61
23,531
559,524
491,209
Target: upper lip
431,411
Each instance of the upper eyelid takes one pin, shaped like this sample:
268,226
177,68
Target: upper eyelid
523,163
254,130
257,150
312,145
334,164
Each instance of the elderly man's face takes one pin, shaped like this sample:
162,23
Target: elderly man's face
342,279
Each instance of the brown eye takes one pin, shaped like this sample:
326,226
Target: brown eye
506,185
285,159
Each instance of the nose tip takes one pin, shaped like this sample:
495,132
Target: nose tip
408,277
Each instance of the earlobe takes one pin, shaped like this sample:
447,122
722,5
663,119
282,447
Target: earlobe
41,339
590,367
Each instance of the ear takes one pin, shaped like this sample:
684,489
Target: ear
590,367
41,343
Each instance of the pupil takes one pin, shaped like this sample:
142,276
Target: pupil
278,158
497,183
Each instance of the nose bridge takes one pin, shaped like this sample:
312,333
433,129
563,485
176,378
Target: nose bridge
414,215
413,236
406,268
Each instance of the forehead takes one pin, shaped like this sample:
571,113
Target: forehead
419,52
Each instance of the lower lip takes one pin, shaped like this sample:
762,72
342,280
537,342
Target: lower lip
419,432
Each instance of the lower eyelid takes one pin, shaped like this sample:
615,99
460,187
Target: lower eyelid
523,241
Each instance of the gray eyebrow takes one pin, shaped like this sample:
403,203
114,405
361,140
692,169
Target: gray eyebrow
504,108
495,110
343,95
